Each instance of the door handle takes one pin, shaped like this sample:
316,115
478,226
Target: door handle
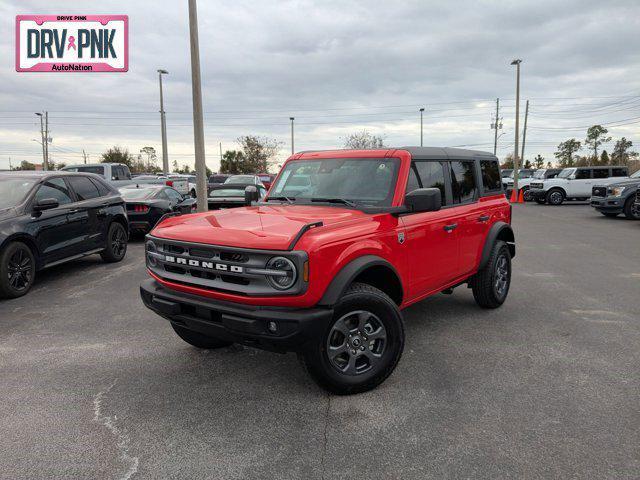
483,218
450,228
74,210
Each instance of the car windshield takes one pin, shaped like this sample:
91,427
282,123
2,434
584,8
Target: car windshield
227,192
240,179
566,173
636,175
539,173
264,178
97,169
522,174
137,193
369,181
14,189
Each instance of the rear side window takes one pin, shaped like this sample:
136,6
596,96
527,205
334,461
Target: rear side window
491,181
463,181
581,174
84,188
619,172
601,173
54,188
102,188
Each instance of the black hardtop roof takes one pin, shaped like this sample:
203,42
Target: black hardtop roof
446,152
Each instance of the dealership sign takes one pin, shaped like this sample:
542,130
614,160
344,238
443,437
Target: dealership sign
72,43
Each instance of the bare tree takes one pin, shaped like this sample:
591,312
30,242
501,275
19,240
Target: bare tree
363,140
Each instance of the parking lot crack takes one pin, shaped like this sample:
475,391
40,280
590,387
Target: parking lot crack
122,439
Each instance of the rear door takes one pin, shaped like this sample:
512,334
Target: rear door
431,237
88,217
51,228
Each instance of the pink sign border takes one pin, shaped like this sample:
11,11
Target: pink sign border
96,67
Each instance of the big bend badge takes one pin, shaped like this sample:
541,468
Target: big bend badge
72,43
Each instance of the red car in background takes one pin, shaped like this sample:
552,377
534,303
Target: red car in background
266,179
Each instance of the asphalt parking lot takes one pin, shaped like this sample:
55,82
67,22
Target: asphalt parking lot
93,385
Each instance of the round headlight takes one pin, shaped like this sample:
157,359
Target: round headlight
150,250
288,276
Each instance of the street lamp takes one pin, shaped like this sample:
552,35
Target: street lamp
163,126
421,113
517,63
292,147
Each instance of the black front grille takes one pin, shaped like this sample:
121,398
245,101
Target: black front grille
599,191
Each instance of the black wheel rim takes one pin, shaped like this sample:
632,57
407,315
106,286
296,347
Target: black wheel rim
118,241
356,343
635,210
502,276
556,197
20,270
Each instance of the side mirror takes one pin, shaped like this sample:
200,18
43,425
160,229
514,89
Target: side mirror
46,204
251,195
423,200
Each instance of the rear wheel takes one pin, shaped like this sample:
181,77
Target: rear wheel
198,339
116,246
555,197
490,285
17,270
632,209
361,345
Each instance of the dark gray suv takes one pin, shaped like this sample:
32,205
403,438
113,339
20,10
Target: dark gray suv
616,198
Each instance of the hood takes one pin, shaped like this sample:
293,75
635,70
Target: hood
628,182
7,213
261,227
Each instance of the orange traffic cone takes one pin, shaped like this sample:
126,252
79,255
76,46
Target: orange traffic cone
514,196
521,196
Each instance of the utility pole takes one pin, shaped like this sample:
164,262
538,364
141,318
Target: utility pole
46,140
163,126
421,125
517,63
220,144
10,166
84,155
524,131
496,125
292,147
44,152
198,121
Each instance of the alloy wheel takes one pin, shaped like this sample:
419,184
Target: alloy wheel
20,270
118,241
502,276
356,342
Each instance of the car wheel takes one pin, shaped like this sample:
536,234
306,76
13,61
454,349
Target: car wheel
17,270
632,209
198,339
555,197
490,285
609,214
116,246
526,195
360,346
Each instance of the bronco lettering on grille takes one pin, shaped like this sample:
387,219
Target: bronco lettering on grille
203,264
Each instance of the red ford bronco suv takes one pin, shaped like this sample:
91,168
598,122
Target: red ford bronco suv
324,265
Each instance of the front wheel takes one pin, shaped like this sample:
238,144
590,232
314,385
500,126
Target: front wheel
555,197
490,285
360,346
199,340
526,195
116,246
17,270
632,209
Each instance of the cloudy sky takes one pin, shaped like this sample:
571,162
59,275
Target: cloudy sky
337,67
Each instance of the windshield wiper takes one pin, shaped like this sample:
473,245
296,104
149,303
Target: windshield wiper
335,200
282,198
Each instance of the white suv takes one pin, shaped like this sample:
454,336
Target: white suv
524,184
575,183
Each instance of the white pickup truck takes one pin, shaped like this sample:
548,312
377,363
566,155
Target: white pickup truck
118,175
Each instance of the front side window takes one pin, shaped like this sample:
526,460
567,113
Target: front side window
619,172
368,181
54,188
566,173
601,173
431,175
84,188
490,175
463,182
583,174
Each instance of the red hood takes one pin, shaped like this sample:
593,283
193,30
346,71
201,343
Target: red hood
263,227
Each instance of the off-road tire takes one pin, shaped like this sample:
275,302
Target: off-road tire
198,339
526,195
555,196
116,245
366,299
631,210
484,284
16,259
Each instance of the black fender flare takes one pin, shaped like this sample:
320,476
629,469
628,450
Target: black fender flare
499,230
348,273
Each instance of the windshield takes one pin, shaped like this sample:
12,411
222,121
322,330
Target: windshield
227,192
566,173
522,174
13,190
97,169
636,175
264,178
539,173
368,181
137,193
240,179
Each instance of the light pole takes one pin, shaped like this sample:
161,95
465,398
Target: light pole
44,152
517,63
421,113
163,126
292,147
198,121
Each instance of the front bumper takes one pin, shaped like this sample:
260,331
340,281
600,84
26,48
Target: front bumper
235,322
608,204
538,193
